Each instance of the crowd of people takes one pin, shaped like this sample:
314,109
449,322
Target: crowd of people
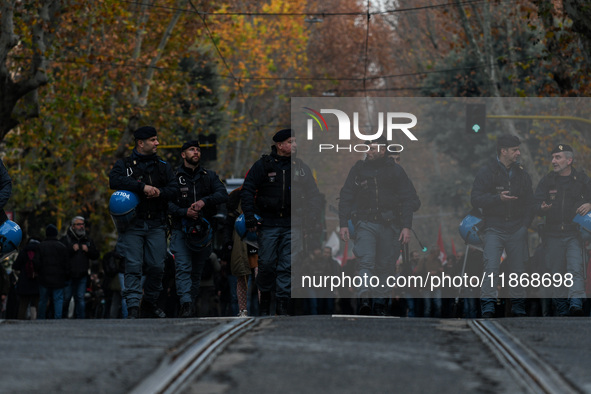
164,263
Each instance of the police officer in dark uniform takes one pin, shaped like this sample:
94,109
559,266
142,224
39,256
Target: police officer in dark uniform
200,191
267,192
143,243
502,189
560,195
379,199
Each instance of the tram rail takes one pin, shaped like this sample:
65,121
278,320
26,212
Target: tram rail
535,375
186,363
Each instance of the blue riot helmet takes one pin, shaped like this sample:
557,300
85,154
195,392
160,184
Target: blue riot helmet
469,230
122,207
585,226
250,237
11,236
198,233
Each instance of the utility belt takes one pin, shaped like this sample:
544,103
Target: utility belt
554,228
387,217
147,215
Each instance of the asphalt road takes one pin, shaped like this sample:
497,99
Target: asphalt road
312,354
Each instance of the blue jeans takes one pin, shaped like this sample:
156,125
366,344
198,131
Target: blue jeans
144,249
77,288
188,266
410,304
515,245
470,303
377,248
432,302
564,254
275,260
57,296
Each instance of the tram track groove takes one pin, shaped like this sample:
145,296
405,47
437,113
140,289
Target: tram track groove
181,367
535,374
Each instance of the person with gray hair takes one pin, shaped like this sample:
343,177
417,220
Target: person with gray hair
81,250
561,195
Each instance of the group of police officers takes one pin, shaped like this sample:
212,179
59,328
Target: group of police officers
191,196
377,203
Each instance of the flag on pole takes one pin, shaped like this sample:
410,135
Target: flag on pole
442,254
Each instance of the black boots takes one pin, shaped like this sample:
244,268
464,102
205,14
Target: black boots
282,307
265,304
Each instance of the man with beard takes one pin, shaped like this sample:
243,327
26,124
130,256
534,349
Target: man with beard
199,193
143,243
81,250
267,192
502,189
379,199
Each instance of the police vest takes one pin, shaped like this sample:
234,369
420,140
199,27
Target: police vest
194,188
274,193
143,171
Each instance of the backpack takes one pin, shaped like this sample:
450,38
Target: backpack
29,267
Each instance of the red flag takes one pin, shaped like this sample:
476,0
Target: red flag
453,249
345,253
442,254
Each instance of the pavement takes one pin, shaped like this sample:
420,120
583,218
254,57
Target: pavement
312,354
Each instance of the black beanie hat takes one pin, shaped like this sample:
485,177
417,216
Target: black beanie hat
51,231
282,135
508,141
144,132
189,144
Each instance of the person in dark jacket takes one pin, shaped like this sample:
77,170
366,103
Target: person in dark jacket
560,196
200,191
143,243
54,269
27,287
81,250
267,191
502,189
5,191
379,199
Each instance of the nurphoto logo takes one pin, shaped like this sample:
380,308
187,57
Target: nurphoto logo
392,124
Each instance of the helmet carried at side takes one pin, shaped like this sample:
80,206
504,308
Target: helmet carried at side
198,233
585,226
11,236
122,207
469,230
250,237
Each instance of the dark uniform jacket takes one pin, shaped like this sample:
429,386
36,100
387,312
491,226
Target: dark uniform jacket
192,186
79,260
134,173
378,191
52,263
492,179
566,194
267,191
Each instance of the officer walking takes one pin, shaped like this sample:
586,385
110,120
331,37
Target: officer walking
267,192
200,191
143,243
502,189
379,199
560,195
